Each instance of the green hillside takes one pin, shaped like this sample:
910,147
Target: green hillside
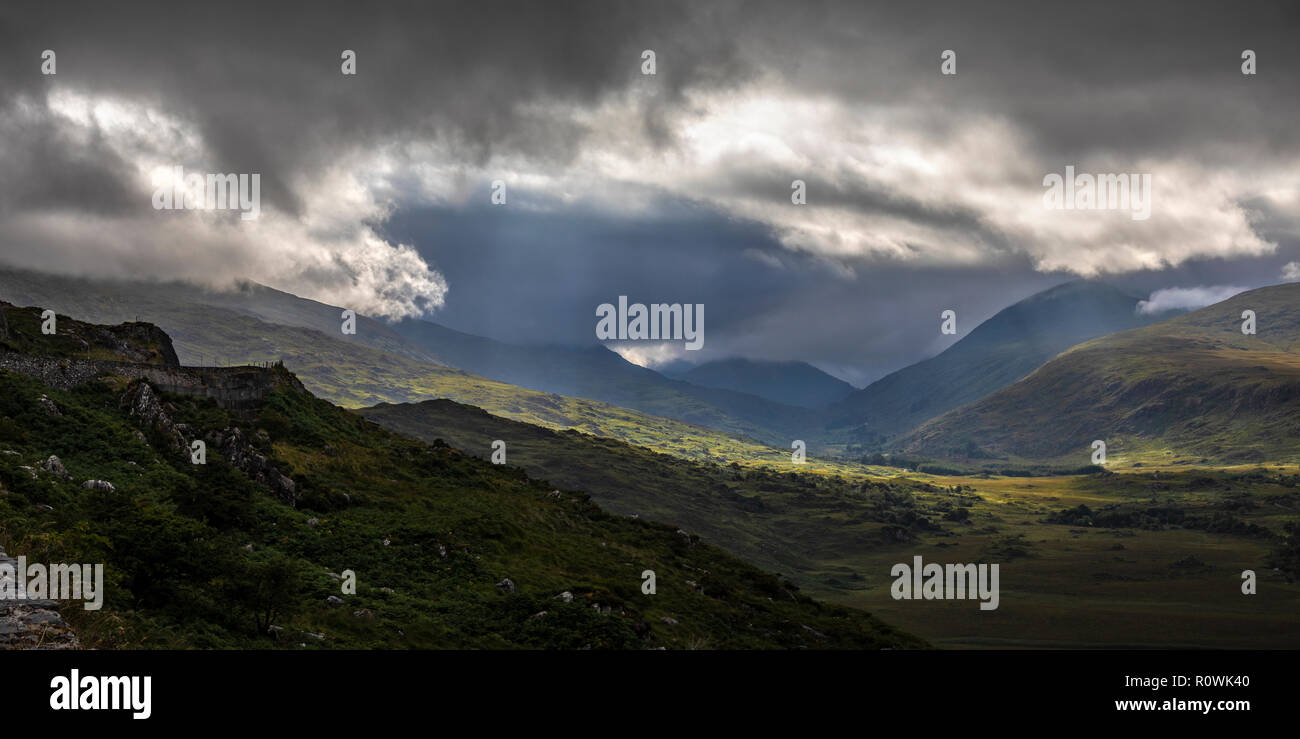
353,374
995,354
1147,558
23,330
786,518
597,373
1192,389
594,373
214,555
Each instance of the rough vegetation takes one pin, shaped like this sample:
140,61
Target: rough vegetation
447,551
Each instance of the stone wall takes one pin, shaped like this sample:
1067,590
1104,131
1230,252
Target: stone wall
240,389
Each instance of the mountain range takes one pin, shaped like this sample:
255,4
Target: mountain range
250,547
1193,388
597,391
999,351
309,487
196,317
792,383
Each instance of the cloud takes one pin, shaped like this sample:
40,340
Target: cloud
239,90
90,212
920,186
1291,271
1186,298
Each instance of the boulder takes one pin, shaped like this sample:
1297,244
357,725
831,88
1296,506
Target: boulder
55,467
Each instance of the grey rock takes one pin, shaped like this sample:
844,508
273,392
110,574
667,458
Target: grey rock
48,406
54,466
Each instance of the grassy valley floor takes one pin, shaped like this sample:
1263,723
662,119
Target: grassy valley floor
1068,584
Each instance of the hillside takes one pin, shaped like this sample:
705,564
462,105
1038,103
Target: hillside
792,383
995,354
22,331
781,517
597,373
1143,555
1189,389
590,373
351,373
249,549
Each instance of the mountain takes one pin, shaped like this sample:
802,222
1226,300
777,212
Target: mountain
593,373
792,383
350,373
1001,350
250,549
1190,389
597,373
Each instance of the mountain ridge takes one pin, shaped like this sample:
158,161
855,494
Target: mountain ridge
790,382
1190,388
1014,342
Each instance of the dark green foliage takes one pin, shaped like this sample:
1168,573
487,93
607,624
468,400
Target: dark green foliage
202,556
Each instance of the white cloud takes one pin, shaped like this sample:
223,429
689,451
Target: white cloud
647,354
329,250
886,183
1291,271
1187,298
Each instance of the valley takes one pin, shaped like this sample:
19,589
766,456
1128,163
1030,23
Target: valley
1157,562
1199,483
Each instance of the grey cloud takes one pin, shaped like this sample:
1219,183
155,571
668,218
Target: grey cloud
260,83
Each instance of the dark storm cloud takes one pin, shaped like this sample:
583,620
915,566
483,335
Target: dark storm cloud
262,79
517,84
537,278
1122,75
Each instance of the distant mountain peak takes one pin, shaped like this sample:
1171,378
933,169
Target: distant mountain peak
783,381
1006,347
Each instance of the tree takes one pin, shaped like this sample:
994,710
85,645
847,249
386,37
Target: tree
269,590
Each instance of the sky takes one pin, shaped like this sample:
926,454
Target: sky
924,190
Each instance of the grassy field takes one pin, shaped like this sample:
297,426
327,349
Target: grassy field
1066,583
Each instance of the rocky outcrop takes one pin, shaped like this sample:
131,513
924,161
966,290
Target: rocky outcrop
151,414
27,623
55,467
236,450
48,406
131,342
